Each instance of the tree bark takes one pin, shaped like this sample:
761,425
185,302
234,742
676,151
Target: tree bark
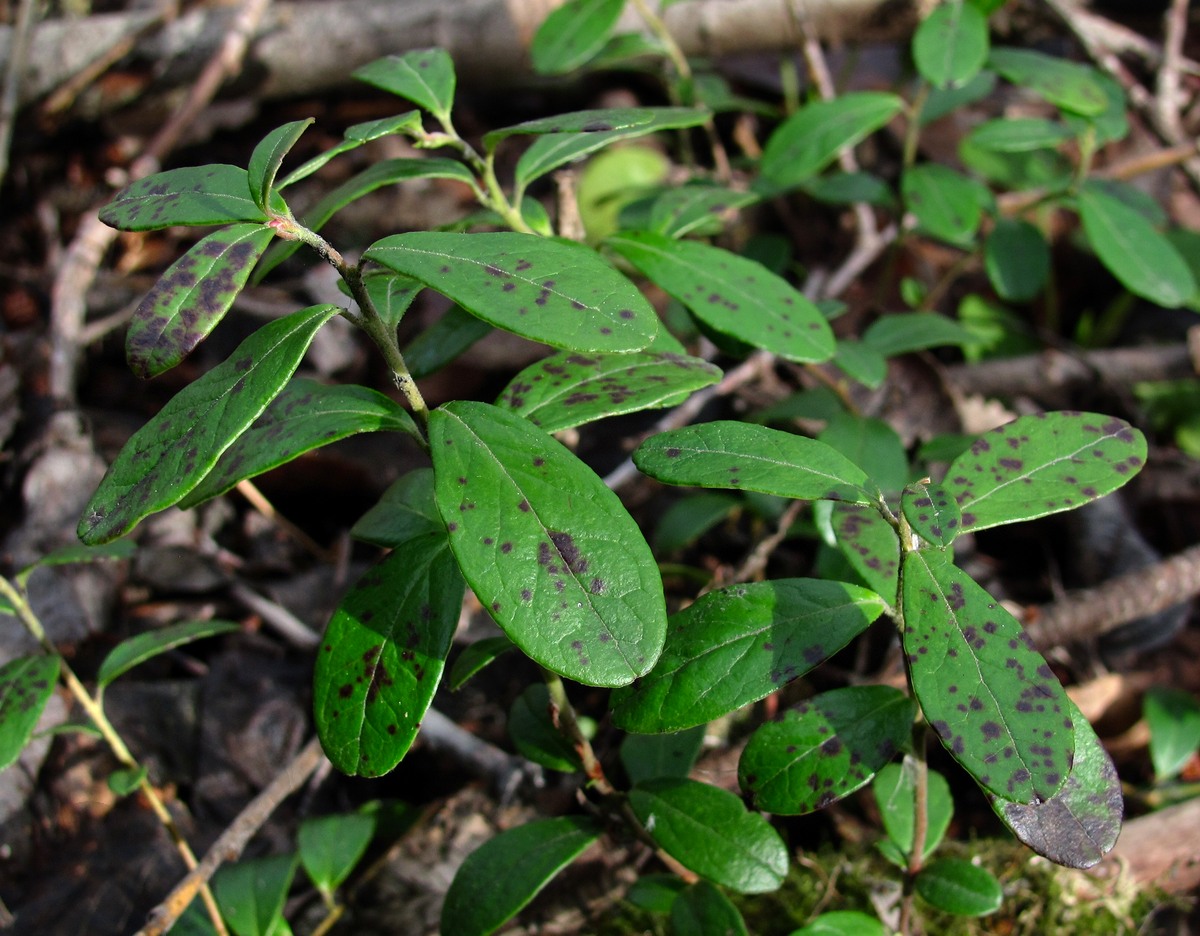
312,47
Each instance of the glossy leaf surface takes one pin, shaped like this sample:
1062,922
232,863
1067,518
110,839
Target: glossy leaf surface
870,545
708,830
951,44
475,657
169,455
551,291
992,699
736,296
932,512
552,150
406,510
647,756
843,923
1068,85
1043,464
424,76
1017,259
894,791
570,389
548,549
383,653
727,454
192,296
811,138
533,731
702,910
195,195
506,872
1079,825
572,34
1146,263
599,120
957,886
825,748
145,646
304,417
26,684
355,136
736,645
268,157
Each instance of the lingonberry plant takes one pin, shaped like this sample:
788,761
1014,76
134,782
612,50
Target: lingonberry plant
552,553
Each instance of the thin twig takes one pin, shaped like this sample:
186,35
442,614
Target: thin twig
10,97
233,840
1169,97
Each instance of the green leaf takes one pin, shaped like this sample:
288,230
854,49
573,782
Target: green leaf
1064,84
945,203
552,150
943,101
192,297
861,363
1146,262
697,208
26,685
843,923
125,782
951,44
304,417
646,756
195,195
570,389
601,120
810,139
702,910
391,294
847,188
932,512
1079,825
145,646
376,176
736,296
708,830
1043,464
268,157
330,847
1017,259
1021,171
169,456
655,893
405,511
895,789
475,657
728,454
508,871
251,894
443,341
870,545
1019,134
535,735
824,749
739,644
871,444
383,653
956,886
354,137
556,292
905,332
424,76
690,518
76,552
572,34
1113,124
548,549
991,697
1173,717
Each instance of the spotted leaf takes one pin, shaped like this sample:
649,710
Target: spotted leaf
870,545
192,296
424,76
991,698
1042,464
548,549
304,417
383,653
570,389
26,685
931,512
1079,825
737,297
728,454
825,748
599,120
194,195
737,645
556,292
708,830
169,455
